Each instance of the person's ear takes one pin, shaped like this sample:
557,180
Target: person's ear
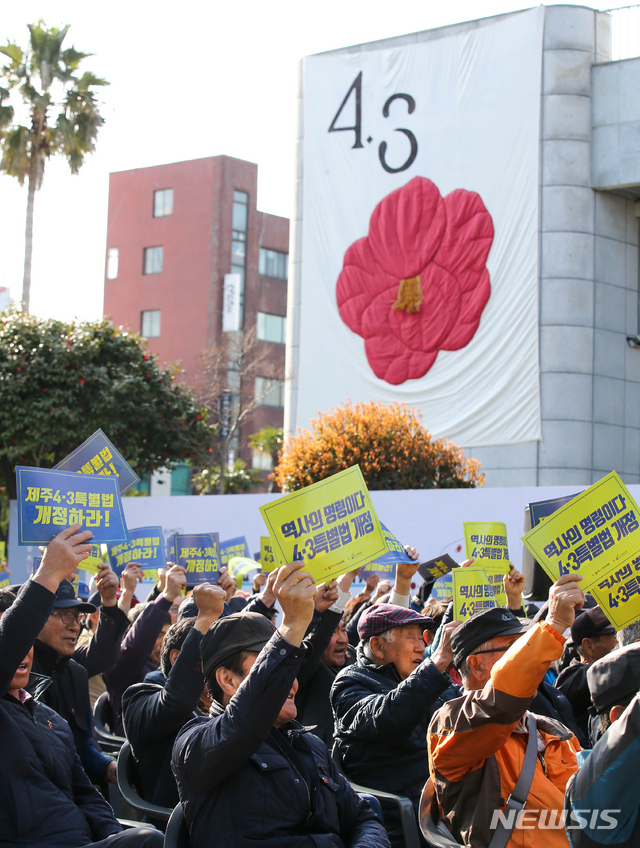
173,655
587,648
474,664
225,680
615,713
375,643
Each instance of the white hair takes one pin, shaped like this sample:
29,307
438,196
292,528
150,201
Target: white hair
388,636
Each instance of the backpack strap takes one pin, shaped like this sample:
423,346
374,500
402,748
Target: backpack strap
518,797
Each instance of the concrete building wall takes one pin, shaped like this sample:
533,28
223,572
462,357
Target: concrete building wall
588,269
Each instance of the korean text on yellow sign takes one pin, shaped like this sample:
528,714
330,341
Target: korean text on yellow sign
267,555
472,592
93,563
596,530
618,592
486,542
331,525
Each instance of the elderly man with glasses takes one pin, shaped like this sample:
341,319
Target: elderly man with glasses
477,742
61,669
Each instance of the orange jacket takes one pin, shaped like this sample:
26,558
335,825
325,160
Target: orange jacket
477,744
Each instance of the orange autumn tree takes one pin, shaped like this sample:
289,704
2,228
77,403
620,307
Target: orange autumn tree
388,442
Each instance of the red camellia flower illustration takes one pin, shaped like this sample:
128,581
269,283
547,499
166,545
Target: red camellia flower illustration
417,284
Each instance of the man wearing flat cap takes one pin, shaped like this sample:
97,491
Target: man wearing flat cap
605,792
477,742
382,704
249,773
594,637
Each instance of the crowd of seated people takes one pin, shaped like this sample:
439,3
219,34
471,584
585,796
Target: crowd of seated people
257,714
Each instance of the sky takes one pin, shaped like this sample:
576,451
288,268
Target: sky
187,80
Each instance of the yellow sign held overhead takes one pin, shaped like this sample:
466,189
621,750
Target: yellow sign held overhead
267,556
472,592
593,535
331,525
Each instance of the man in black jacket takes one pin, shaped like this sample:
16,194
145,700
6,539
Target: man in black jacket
594,637
249,773
46,799
383,703
154,714
67,668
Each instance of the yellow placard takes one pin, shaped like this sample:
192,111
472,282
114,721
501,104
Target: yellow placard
93,563
486,542
594,533
472,592
618,592
267,554
331,525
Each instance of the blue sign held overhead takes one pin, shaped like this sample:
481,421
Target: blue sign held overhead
234,548
385,566
98,456
50,500
199,553
145,546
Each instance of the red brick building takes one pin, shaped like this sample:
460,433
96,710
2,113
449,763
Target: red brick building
174,232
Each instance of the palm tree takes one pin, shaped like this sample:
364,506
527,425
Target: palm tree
46,78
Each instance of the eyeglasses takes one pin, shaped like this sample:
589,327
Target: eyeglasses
69,616
491,651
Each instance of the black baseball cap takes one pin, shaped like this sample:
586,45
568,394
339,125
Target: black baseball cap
481,627
241,631
590,623
66,599
614,678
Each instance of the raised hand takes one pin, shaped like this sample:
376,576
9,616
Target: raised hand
565,597
296,592
210,602
107,584
63,556
175,582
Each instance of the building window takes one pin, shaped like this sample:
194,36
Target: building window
150,324
261,461
274,263
239,220
113,255
269,392
163,203
271,328
152,260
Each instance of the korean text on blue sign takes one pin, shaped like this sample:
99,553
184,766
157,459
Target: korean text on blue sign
234,548
199,554
49,501
98,456
385,566
145,546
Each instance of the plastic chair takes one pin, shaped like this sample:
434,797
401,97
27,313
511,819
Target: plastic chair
177,834
388,801
103,721
429,813
128,779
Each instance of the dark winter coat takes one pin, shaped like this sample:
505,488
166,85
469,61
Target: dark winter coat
247,782
381,723
154,714
46,799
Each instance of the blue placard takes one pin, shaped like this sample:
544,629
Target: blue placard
543,509
98,456
199,553
49,501
385,566
145,546
442,589
5,579
234,548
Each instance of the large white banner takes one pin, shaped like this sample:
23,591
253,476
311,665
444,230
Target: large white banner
420,231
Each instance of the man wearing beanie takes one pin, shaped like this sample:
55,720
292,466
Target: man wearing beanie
604,793
249,772
382,704
477,742
594,637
